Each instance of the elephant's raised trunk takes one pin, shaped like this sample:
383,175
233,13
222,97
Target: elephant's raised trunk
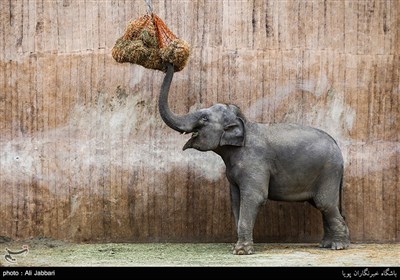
183,123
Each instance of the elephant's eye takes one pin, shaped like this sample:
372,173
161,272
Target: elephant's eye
204,118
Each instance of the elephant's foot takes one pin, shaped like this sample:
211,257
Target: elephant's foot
335,243
243,248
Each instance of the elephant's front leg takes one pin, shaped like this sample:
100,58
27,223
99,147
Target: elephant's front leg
235,202
250,202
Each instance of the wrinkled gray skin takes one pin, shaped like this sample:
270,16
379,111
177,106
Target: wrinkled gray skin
283,162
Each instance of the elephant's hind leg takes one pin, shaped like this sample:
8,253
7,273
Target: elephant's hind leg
326,199
336,233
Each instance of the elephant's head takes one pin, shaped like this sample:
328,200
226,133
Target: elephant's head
218,125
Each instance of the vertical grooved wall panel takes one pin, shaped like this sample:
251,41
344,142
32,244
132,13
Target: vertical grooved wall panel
85,156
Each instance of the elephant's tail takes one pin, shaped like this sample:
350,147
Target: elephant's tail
341,202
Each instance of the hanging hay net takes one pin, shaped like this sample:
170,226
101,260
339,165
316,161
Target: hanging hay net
147,41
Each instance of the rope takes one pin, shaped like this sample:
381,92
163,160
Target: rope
149,6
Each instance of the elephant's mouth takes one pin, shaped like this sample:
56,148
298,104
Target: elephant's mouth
195,134
189,143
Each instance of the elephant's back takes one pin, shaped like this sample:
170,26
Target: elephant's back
300,143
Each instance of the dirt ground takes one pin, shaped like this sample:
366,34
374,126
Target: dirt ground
48,252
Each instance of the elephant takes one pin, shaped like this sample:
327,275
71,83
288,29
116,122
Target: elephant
277,161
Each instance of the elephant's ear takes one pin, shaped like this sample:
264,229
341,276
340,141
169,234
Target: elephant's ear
234,134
